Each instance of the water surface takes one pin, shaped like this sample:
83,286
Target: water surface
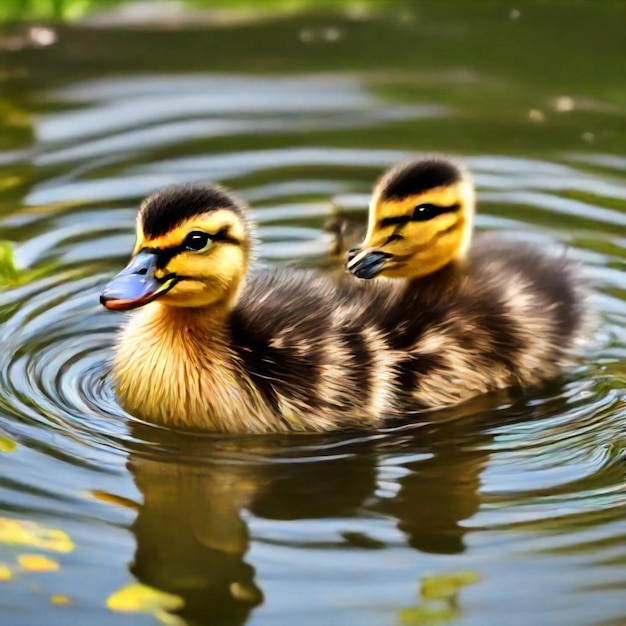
509,509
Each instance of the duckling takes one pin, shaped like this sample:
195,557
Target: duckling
214,350
214,347
530,307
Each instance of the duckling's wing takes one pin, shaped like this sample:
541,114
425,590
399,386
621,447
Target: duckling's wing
298,335
511,317
546,292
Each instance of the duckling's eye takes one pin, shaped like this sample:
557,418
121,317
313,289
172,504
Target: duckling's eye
424,212
196,241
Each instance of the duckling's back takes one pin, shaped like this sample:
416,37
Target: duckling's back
511,315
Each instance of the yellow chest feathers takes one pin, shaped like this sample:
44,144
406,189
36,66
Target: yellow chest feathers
173,367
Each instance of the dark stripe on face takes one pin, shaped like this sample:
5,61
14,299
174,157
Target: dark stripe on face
421,213
223,236
398,220
165,255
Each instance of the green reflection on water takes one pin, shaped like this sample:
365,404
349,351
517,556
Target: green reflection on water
508,85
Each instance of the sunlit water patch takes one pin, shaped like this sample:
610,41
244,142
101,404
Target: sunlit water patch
507,509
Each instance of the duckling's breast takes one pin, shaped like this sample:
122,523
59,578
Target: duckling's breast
174,367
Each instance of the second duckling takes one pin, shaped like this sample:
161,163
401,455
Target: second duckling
529,306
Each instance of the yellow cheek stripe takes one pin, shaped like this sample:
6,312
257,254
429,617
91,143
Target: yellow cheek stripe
170,240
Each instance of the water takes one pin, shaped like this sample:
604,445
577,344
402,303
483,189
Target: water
510,509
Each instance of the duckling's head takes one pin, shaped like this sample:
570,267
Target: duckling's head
192,249
420,220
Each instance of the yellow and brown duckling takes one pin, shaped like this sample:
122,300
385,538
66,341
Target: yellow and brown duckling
517,310
214,349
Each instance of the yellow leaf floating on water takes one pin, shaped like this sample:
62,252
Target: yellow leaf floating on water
110,498
37,563
423,616
8,271
59,599
22,532
5,572
447,585
7,182
245,593
144,599
168,619
6,444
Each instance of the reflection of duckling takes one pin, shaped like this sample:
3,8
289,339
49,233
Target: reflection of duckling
199,494
191,538
298,351
192,534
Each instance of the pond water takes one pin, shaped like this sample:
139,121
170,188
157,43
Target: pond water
509,509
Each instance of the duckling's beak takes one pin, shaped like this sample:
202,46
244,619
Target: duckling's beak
136,284
366,263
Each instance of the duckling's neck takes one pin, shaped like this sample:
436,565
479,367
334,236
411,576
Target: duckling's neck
175,367
444,279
